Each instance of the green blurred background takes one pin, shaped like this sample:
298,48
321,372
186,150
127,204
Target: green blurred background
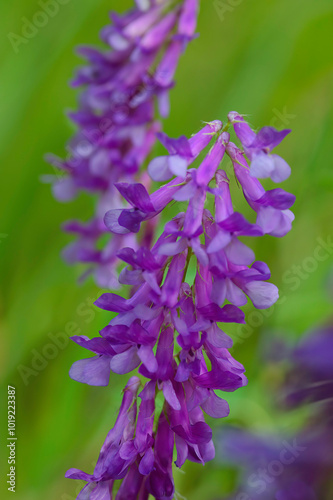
269,60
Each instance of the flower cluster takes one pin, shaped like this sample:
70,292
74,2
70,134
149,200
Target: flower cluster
170,327
116,121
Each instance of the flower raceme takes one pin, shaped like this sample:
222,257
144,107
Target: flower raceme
171,328
116,120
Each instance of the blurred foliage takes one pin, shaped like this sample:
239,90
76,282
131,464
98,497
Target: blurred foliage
265,59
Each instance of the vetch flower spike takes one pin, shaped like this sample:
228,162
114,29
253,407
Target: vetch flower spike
170,327
117,124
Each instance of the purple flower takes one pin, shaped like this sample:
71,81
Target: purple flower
272,207
170,328
116,121
110,465
305,458
258,149
182,151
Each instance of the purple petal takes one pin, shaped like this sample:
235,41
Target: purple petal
199,141
237,223
174,248
262,294
262,166
277,198
136,195
238,253
170,395
219,241
147,463
112,302
111,221
228,313
210,164
131,220
178,166
235,294
159,169
275,222
182,451
92,371
221,380
188,19
216,407
281,170
86,493
186,192
167,67
178,146
218,338
147,357
101,492
125,362
97,345
219,291
78,474
269,137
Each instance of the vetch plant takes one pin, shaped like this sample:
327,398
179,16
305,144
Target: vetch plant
117,123
185,289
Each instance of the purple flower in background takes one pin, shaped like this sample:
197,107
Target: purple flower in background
291,466
117,126
185,290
